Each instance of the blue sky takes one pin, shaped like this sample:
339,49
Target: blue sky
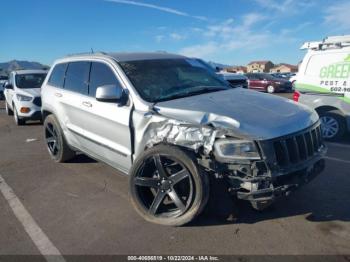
227,31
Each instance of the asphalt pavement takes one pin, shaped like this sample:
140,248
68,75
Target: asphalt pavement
82,207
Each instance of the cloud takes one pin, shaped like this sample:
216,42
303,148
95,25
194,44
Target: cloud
252,18
286,6
296,29
159,38
201,50
227,36
275,5
246,34
337,16
177,36
228,29
157,7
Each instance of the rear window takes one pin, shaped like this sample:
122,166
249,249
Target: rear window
77,77
57,75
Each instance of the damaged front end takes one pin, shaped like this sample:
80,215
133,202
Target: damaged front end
255,170
285,164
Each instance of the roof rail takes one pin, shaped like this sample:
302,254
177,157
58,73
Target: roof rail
328,42
86,53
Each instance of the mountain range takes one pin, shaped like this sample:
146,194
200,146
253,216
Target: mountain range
7,67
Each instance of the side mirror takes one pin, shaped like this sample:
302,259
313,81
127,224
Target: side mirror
8,86
109,93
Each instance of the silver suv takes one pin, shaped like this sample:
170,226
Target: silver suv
174,126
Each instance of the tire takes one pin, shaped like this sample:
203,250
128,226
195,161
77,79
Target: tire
9,112
55,141
270,89
18,121
333,125
167,186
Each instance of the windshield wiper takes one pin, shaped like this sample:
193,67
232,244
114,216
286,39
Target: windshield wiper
202,90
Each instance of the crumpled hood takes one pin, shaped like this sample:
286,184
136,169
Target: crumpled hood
34,92
248,113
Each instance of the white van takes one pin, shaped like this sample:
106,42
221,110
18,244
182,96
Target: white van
323,83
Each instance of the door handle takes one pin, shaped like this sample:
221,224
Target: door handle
87,104
58,94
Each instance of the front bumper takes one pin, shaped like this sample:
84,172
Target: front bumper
287,163
34,110
283,185
34,116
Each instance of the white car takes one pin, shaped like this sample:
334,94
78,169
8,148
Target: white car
23,95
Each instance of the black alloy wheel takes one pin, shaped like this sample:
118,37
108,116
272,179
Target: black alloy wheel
56,143
167,187
52,139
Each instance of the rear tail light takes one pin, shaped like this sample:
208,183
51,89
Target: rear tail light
296,96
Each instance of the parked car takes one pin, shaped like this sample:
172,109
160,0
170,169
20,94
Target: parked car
267,83
22,95
2,91
236,80
3,80
323,83
172,125
292,79
286,76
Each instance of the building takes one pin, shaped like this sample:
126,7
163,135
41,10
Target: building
237,69
284,68
260,66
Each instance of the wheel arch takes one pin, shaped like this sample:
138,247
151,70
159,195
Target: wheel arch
45,113
323,109
194,153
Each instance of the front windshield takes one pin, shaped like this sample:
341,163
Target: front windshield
167,79
28,81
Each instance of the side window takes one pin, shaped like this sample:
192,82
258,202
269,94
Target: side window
57,75
77,77
101,75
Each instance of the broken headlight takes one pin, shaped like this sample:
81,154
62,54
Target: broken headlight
229,149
